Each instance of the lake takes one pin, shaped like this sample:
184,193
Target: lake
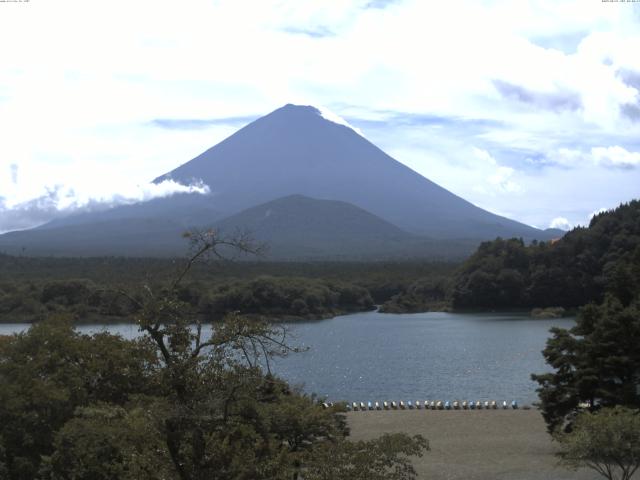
375,356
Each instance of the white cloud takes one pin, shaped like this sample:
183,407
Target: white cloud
502,179
615,156
568,157
561,223
14,173
499,178
61,200
484,156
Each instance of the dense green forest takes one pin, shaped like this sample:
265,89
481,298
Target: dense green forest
575,270
90,288
581,267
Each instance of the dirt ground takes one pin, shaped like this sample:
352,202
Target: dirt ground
473,444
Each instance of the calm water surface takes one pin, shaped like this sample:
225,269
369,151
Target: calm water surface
373,356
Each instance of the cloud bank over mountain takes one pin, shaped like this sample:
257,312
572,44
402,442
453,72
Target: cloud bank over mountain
60,200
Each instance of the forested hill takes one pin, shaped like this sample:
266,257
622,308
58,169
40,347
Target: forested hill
578,269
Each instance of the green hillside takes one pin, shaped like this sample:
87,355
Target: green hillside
578,269
302,228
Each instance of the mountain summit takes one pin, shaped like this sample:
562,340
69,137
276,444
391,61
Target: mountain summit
322,175
298,150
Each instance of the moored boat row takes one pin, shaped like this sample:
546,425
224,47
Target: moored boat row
431,405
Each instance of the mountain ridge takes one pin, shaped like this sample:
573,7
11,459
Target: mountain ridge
327,160
292,151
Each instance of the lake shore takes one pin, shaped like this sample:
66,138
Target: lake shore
93,318
473,445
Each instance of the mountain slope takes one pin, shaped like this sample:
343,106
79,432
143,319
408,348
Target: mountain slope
292,151
293,227
134,237
301,227
295,150
186,209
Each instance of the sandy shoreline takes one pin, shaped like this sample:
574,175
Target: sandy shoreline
473,445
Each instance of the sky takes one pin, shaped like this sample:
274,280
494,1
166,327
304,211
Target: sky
529,109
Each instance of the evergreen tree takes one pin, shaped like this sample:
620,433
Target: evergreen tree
596,362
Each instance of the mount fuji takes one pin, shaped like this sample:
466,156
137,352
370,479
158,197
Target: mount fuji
308,183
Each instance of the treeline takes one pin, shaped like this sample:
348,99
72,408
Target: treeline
82,299
423,295
275,297
283,297
90,289
378,277
580,268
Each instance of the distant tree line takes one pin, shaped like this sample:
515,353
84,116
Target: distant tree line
86,288
429,293
276,297
82,299
280,297
383,279
581,267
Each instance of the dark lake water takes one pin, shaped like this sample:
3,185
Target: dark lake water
373,356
